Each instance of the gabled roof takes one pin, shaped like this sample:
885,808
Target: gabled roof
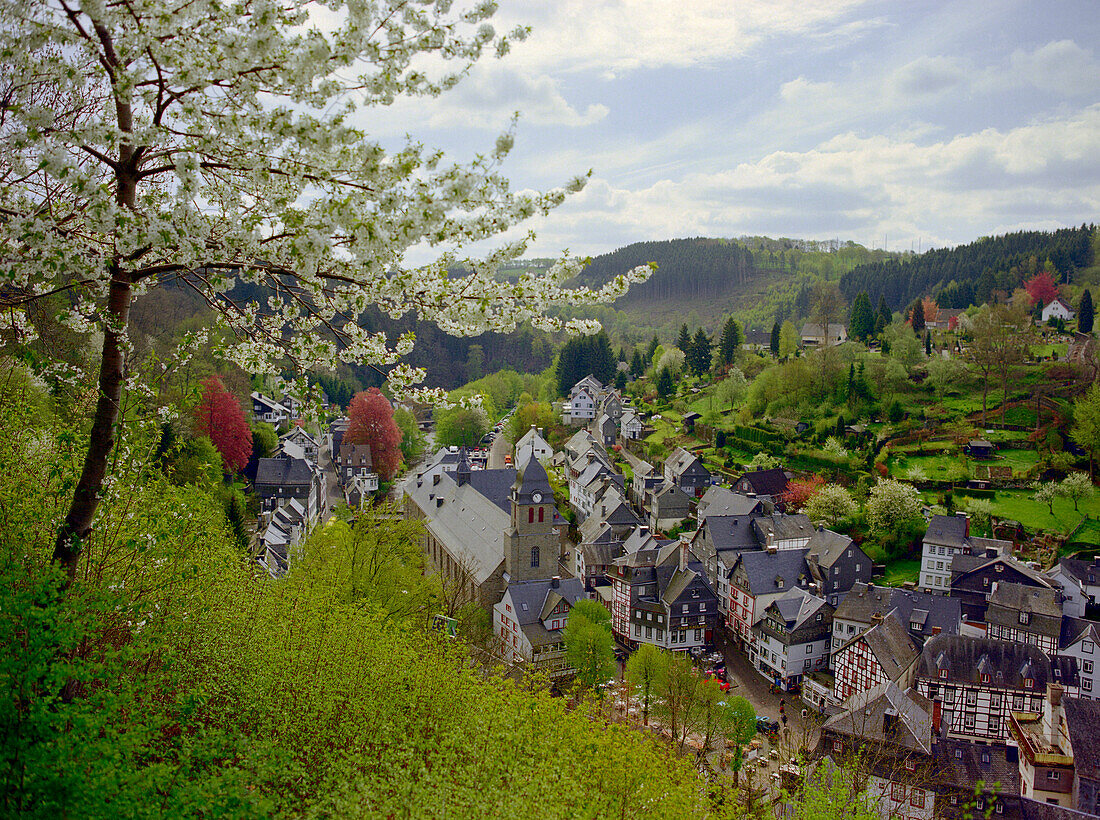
946,530
891,645
640,539
602,553
783,527
532,437
682,462
590,383
1020,598
721,501
1076,629
763,569
357,455
965,565
796,606
1009,662
828,546
963,763
299,432
284,471
812,330
864,601
868,714
1083,724
771,482
1086,572
730,532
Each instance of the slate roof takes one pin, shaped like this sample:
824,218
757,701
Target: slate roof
962,763
797,606
730,532
828,546
355,455
468,522
891,645
762,569
722,501
602,553
1074,629
771,482
864,717
1037,600
864,601
641,539
962,565
531,598
1007,663
1083,724
946,531
784,527
1086,572
284,471
682,462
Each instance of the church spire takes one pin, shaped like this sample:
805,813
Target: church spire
462,476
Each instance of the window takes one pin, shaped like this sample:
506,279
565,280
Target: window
994,728
985,678
838,747
971,697
1025,617
910,764
534,557
649,632
1086,667
858,567
1086,684
703,607
540,514
1052,774
958,754
637,630
1086,647
917,800
684,609
968,721
698,634
985,756
531,517
1017,702
943,674
1029,683
995,700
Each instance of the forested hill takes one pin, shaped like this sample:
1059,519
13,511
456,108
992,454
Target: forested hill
968,274
686,268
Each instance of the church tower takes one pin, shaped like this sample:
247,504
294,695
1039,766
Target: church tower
530,544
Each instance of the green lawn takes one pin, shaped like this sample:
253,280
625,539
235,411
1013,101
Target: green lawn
1018,505
902,570
954,466
1048,350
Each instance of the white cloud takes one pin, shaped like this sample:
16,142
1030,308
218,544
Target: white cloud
1061,67
925,76
614,36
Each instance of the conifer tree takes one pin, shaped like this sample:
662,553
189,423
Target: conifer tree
652,349
862,322
698,356
1085,313
916,316
731,340
637,368
683,341
774,345
665,386
884,316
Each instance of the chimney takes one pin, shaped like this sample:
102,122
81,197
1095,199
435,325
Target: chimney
771,550
1054,694
435,479
937,716
591,456
555,582
936,630
965,518
876,619
683,553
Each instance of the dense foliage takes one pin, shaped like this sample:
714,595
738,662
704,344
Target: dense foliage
968,274
173,680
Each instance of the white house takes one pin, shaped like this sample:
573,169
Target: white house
530,619
630,425
532,445
309,445
1058,309
1080,580
1081,640
792,639
580,408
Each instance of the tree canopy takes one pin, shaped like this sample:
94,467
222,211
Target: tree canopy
372,423
221,419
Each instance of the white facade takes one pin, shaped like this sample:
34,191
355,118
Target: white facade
580,408
1057,310
532,445
1086,649
901,801
935,567
630,426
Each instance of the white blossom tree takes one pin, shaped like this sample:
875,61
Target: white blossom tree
830,504
891,504
216,143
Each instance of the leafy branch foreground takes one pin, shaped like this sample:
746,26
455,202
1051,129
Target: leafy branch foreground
173,681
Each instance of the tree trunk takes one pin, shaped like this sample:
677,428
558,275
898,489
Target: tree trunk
78,523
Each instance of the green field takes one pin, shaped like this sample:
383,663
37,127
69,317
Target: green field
954,466
902,570
1018,505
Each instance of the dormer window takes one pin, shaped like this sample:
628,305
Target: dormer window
985,678
779,583
943,674
1029,683
1025,617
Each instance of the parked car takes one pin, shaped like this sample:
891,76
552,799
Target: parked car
767,725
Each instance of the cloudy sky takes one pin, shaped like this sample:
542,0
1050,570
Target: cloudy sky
911,122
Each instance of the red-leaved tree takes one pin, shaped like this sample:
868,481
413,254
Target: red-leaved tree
372,423
799,492
221,419
1041,288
